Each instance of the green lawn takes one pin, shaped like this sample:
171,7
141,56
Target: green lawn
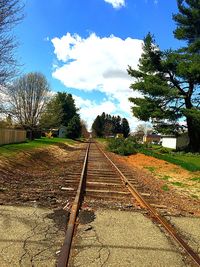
188,161
11,149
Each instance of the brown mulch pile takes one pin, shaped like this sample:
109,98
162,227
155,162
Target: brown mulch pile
176,200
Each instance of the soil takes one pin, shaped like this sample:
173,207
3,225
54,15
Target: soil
37,177
173,175
154,175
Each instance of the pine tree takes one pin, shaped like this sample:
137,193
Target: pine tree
125,127
170,80
188,23
97,127
74,128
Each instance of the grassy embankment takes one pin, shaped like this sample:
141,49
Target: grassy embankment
187,181
12,149
188,161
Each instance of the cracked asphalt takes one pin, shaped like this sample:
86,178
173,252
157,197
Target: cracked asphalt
28,237
122,238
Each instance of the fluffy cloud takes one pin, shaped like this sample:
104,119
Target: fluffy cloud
116,3
95,63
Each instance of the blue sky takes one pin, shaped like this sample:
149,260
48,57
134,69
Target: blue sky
83,47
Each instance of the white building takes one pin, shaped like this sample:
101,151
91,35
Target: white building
175,142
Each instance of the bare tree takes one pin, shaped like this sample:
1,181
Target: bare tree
144,128
10,15
27,98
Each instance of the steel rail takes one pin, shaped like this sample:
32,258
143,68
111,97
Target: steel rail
168,227
65,250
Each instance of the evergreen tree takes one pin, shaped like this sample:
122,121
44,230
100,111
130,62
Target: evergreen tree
59,111
170,80
68,107
125,127
74,127
116,120
188,23
107,125
97,127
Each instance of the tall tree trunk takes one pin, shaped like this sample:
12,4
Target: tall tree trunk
193,130
194,136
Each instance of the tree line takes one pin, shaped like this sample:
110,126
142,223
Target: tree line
106,125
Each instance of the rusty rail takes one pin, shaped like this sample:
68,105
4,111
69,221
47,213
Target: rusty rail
168,227
65,250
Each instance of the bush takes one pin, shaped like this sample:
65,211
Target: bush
123,146
163,150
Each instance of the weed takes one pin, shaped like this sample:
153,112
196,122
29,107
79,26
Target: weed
195,196
166,178
196,179
164,150
178,184
165,187
150,168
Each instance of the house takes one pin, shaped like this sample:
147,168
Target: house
175,142
152,138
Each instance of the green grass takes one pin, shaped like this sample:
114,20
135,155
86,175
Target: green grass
196,179
190,162
101,139
178,184
165,187
150,168
166,177
11,149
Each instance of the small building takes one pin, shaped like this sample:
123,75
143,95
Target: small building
62,131
175,142
152,138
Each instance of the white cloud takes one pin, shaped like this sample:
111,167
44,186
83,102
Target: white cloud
116,3
95,63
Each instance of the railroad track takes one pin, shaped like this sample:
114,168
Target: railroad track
102,180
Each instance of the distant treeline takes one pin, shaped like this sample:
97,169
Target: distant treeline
106,125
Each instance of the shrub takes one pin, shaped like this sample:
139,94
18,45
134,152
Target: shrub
123,146
163,150
49,135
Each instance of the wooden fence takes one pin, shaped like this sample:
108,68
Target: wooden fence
9,136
